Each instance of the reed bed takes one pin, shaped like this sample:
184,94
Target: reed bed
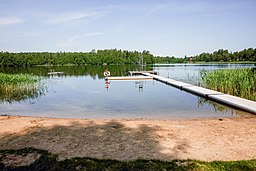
237,82
17,87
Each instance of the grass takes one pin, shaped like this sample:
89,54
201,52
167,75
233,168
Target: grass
237,82
17,87
16,79
49,161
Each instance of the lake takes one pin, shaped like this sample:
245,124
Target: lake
81,92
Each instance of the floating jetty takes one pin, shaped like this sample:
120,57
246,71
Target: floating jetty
229,100
131,78
141,72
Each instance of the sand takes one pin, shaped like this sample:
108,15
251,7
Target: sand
127,139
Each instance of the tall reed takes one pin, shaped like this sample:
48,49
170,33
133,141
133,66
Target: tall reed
17,87
237,82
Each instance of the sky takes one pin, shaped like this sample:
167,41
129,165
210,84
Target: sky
163,27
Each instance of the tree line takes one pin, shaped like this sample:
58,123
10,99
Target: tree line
225,56
99,57
82,70
116,57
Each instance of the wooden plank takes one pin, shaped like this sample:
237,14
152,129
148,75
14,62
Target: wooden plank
201,91
168,81
131,78
237,102
140,72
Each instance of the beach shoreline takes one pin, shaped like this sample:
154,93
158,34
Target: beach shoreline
212,139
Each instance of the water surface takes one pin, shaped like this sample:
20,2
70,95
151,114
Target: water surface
83,93
191,73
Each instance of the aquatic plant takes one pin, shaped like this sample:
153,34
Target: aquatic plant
17,87
237,82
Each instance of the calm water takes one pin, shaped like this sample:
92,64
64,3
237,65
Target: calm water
81,93
191,73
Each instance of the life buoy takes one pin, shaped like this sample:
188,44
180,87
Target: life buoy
106,73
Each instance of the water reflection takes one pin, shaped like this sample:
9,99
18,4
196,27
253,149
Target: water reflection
217,107
96,72
107,84
191,73
82,92
139,85
18,93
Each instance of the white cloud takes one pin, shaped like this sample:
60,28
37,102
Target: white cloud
73,40
157,8
74,16
85,35
10,21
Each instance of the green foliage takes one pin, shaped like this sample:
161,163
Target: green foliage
225,56
91,70
237,82
100,57
106,164
242,165
17,87
167,60
48,161
15,79
117,57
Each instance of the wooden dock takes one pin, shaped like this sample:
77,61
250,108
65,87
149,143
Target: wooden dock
140,72
232,101
131,78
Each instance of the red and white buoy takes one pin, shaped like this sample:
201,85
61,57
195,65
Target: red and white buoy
107,82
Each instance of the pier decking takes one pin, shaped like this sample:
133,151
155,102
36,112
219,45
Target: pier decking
232,101
140,72
131,78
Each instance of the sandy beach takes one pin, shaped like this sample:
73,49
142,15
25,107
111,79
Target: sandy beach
128,139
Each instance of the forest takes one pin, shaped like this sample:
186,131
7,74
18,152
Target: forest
225,56
100,57
116,57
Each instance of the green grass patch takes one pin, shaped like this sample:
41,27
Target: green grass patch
237,82
17,87
49,161
17,79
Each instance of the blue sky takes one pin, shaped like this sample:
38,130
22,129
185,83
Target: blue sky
164,27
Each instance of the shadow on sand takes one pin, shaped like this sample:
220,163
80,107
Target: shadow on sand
110,140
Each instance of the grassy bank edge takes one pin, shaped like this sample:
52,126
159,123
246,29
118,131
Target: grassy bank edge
49,161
